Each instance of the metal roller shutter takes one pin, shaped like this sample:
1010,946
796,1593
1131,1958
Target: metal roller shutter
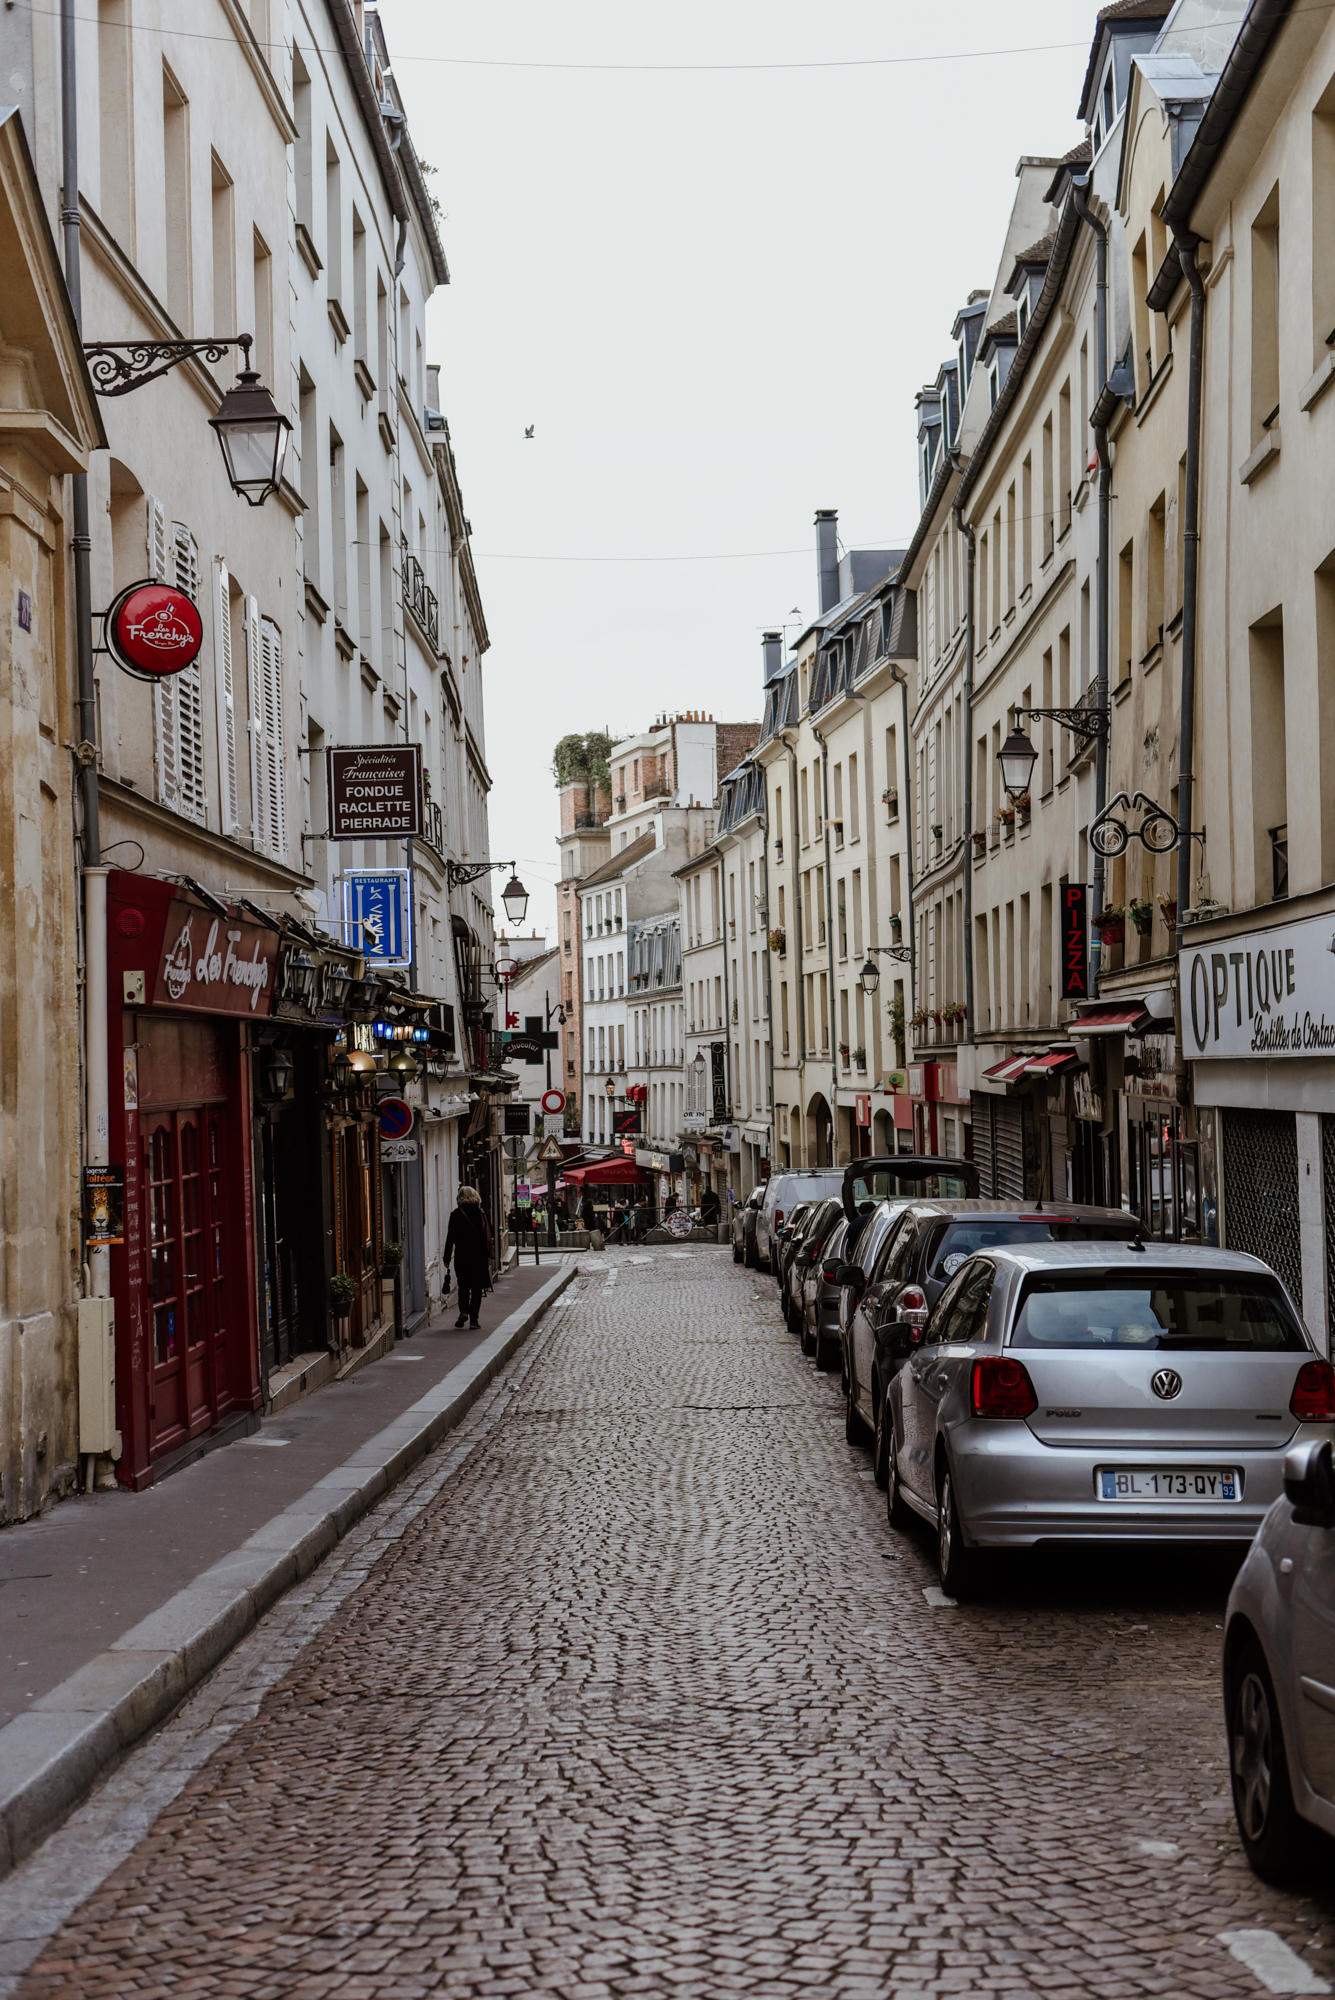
1261,1192
999,1145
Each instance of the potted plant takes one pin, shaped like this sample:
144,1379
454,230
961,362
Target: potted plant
1141,911
1110,923
843,1053
1023,808
890,800
955,1012
1006,815
896,929
980,845
896,1012
778,940
342,1297
391,1256
859,1058
1168,910
918,1018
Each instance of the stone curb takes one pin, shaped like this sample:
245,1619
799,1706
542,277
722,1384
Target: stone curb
51,1757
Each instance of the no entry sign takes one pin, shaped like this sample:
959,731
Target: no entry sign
553,1100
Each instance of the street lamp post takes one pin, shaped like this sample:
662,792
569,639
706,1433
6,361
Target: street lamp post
1017,755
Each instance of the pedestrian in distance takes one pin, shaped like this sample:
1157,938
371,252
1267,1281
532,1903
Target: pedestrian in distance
468,1243
709,1208
588,1214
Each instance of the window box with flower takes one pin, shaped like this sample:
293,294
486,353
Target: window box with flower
1141,912
778,940
1110,923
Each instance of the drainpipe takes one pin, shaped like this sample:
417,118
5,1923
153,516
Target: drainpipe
897,674
1191,543
1079,191
769,956
791,846
829,941
970,569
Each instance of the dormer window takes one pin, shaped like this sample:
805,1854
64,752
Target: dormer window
993,386
1109,99
964,369
1022,316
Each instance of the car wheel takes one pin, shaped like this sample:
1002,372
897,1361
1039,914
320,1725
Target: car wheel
736,1253
958,1567
821,1353
808,1344
880,1451
897,1510
1269,1825
855,1429
749,1254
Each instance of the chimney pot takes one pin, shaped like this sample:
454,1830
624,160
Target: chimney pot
827,556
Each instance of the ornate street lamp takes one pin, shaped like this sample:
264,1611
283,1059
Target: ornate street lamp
252,434
870,976
514,896
611,1086
1017,758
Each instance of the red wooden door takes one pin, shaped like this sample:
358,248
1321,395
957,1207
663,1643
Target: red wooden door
184,1217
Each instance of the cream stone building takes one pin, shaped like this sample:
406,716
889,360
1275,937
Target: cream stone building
49,427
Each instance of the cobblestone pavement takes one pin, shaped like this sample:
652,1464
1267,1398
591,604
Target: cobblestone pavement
632,1691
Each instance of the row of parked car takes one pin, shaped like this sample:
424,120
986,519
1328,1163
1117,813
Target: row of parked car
1025,1373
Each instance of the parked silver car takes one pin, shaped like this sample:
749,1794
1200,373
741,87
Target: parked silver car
1279,1671
1102,1392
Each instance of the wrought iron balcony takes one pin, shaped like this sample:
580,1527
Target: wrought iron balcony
420,599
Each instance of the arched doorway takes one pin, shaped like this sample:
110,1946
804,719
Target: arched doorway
820,1133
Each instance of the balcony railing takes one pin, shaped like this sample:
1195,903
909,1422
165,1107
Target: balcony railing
420,598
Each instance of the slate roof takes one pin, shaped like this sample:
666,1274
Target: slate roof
1119,10
617,864
1079,156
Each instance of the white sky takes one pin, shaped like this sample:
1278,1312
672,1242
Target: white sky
714,295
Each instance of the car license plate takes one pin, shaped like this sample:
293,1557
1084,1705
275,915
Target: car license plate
1149,1482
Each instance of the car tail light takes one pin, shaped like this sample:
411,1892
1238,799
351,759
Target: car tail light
912,1299
778,1218
1001,1388
1313,1398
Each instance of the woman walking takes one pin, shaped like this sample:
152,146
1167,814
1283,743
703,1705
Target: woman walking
469,1243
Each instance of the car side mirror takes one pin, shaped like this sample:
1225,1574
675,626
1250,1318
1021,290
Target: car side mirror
804,1260
1309,1485
847,1274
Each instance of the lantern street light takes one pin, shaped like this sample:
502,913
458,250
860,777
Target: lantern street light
699,1062
611,1086
514,895
870,976
515,898
253,436
1017,758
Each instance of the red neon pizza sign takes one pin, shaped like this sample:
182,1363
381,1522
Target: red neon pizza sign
154,630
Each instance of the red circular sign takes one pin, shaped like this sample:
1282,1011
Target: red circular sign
396,1118
553,1101
154,630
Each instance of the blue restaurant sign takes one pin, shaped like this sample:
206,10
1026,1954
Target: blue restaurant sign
378,914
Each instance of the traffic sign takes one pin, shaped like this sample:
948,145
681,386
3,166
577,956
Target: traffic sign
550,1153
398,1152
396,1118
553,1100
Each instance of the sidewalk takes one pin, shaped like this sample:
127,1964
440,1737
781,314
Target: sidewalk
114,1604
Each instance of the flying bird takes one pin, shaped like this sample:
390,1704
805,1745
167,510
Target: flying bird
529,430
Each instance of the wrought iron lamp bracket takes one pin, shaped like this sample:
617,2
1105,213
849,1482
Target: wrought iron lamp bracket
118,366
458,874
1089,724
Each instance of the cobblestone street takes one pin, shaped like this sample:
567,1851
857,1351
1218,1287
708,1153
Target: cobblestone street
636,1693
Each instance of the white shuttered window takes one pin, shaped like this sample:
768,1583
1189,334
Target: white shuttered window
264,662
178,701
226,695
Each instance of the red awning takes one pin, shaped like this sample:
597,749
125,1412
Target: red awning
1055,1063
1008,1071
1113,1017
609,1173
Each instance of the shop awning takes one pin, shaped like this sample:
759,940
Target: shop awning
1056,1062
1113,1017
1008,1071
608,1173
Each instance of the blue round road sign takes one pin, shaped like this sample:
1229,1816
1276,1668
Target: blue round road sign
396,1118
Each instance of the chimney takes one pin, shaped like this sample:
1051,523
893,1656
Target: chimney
827,556
771,652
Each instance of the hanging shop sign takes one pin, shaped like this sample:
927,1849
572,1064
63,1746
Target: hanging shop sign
378,915
153,630
219,964
375,792
626,1123
718,1081
517,1117
398,1152
1074,906
1266,993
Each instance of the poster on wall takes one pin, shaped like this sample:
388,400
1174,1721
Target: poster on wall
103,1207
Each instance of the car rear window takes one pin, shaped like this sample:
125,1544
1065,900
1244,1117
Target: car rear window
960,1239
789,1189
1169,1309
884,1184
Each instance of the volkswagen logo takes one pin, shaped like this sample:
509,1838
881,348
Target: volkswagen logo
1166,1383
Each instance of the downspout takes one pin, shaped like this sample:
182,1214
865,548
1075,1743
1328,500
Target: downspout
829,942
970,569
1100,422
898,674
800,1012
1191,542
727,994
769,956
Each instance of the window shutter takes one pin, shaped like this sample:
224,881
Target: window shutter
275,815
193,787
226,694
255,701
166,735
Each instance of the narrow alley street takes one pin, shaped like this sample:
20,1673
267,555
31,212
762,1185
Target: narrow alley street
629,1689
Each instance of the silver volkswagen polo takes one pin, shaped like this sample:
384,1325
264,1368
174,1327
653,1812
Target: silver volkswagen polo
1101,1392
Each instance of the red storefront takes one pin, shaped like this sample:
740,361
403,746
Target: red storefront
185,979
